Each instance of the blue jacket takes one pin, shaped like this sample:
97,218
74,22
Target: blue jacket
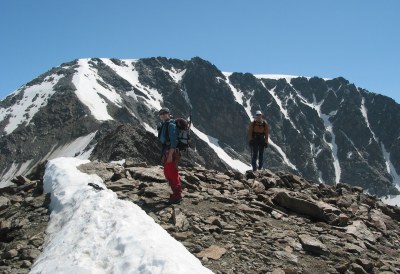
172,141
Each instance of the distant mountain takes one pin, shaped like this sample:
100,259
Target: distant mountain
326,130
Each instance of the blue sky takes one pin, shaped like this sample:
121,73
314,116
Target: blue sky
358,40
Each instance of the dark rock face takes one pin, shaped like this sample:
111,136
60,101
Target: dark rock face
140,146
213,104
127,142
328,131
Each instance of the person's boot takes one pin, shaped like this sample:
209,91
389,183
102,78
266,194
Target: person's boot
175,198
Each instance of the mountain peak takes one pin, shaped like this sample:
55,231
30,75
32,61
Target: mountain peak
327,130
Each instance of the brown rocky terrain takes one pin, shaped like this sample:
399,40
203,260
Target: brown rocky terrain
259,222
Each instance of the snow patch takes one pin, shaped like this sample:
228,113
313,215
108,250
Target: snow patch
213,143
175,75
35,97
389,166
153,99
13,171
364,112
120,162
283,155
386,155
332,145
91,93
315,153
288,78
283,110
236,93
329,128
92,231
248,109
150,129
186,97
75,148
392,199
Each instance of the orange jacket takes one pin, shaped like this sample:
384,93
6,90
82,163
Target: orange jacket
257,128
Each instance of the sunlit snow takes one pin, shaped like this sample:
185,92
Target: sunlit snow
236,93
174,74
153,98
329,128
283,110
13,171
92,231
288,78
91,93
283,155
213,143
76,148
34,98
150,129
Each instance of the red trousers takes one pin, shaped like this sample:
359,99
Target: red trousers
172,175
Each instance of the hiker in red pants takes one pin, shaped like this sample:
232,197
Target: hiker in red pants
168,135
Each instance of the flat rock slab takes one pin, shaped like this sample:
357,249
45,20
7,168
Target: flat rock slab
213,252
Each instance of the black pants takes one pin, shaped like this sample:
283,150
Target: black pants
258,152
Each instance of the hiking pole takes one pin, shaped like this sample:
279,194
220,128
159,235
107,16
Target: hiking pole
264,148
190,123
251,154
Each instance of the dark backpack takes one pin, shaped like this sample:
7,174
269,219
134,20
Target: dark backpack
183,127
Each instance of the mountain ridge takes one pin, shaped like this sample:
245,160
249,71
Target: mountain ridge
329,131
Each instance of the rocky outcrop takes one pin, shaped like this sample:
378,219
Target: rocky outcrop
265,222
138,145
259,222
24,217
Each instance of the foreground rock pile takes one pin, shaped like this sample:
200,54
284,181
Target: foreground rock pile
23,220
254,223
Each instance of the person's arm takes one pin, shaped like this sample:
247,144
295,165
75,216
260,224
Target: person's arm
250,132
173,138
266,133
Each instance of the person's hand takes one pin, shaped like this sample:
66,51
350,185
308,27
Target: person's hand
266,145
170,156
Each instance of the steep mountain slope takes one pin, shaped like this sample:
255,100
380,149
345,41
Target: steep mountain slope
328,131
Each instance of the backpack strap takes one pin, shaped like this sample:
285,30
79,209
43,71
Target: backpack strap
167,140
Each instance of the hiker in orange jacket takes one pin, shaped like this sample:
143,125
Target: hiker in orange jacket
258,133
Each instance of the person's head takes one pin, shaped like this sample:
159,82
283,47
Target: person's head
259,115
164,114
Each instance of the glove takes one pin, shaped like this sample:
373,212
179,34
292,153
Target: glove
266,145
251,142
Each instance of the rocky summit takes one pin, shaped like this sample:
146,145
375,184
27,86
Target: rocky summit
257,222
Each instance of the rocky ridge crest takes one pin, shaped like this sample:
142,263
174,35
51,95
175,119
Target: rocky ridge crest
259,222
